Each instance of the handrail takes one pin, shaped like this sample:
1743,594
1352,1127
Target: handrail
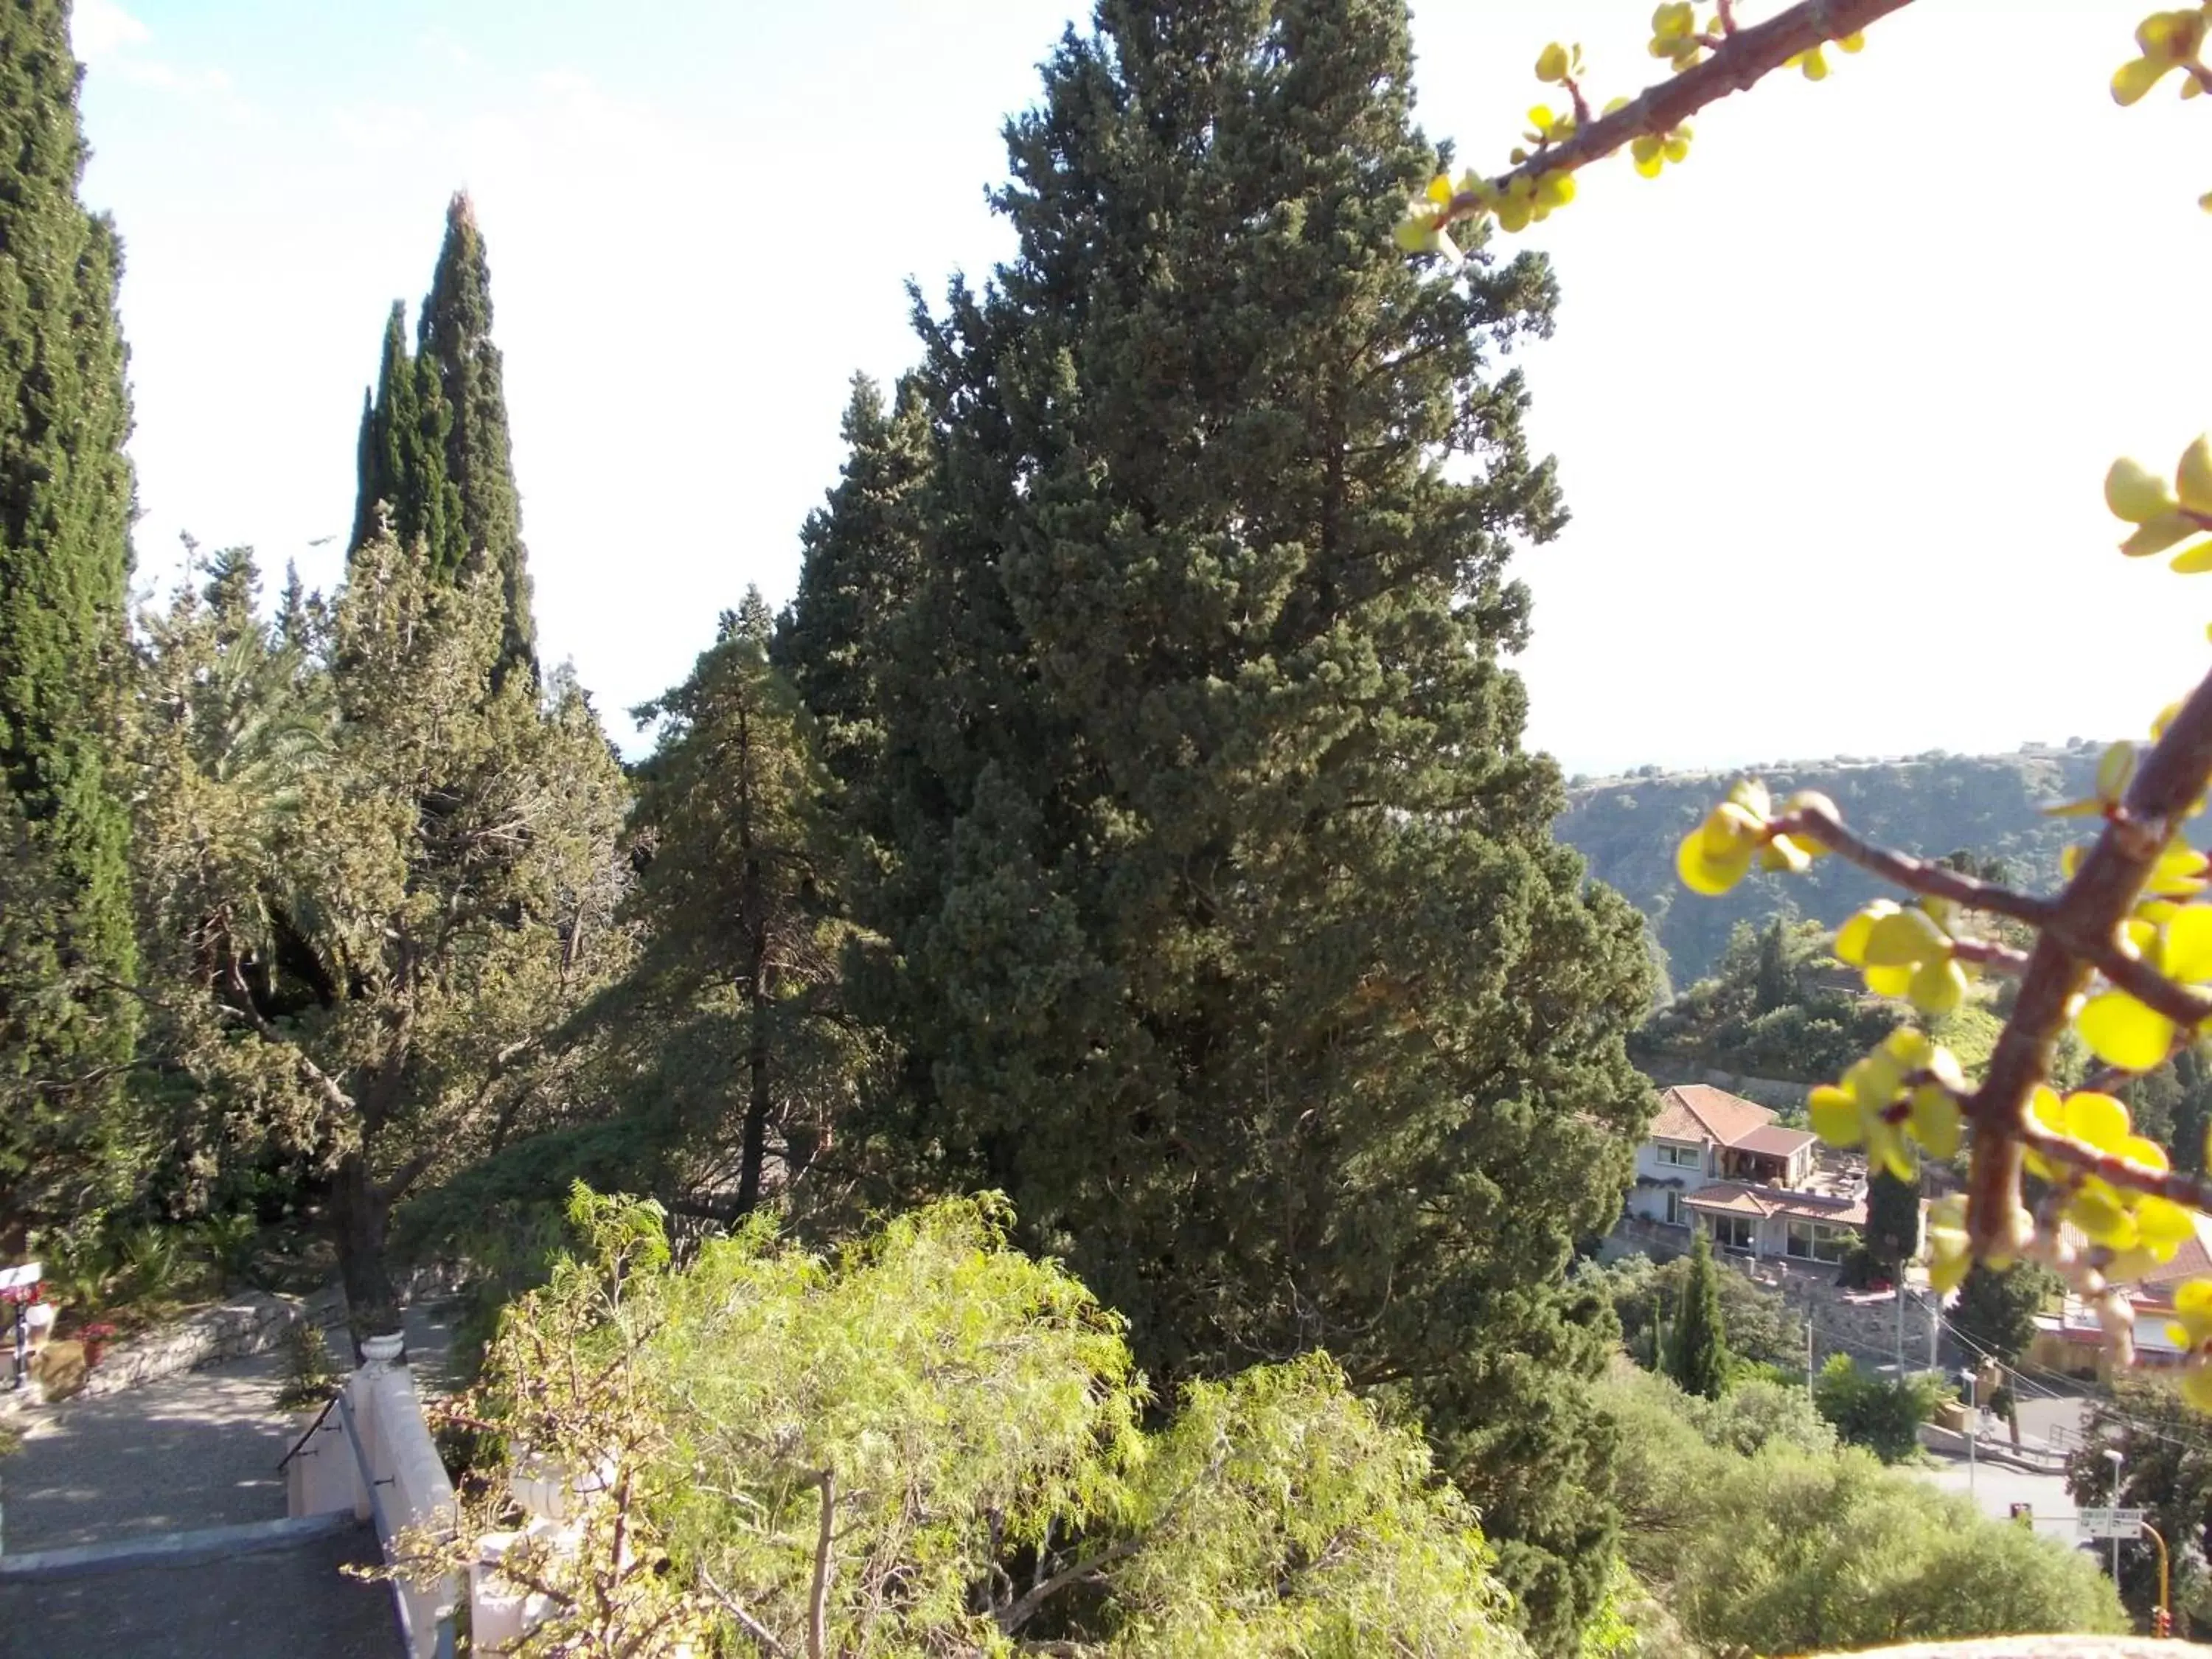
313,1429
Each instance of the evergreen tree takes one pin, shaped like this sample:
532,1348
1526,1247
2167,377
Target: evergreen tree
1696,1347
433,452
66,507
1893,1229
1228,934
454,343
738,980
1996,1311
861,557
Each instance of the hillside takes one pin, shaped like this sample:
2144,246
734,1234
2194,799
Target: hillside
1628,828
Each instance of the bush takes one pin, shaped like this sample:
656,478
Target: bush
304,1375
1813,1553
1883,1414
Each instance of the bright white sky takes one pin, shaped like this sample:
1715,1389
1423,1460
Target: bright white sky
1832,401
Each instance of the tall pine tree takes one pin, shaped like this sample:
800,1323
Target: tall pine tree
66,507
1227,932
435,452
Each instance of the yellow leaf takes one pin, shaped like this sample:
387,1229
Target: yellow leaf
2185,945
2193,561
2121,1031
1552,62
2097,1212
1938,987
1440,191
2135,493
1704,871
2192,479
2135,77
1852,937
1902,939
1836,1117
1935,1119
1889,982
2167,530
2114,767
2197,1387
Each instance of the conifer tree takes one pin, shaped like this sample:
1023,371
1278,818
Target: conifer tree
1696,1347
1228,934
65,506
861,556
434,451
454,343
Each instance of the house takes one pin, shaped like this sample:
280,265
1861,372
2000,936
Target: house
1716,1161
2069,1338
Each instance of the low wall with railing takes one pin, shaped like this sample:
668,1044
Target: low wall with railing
370,1451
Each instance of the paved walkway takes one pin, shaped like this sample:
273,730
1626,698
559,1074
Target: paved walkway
186,1452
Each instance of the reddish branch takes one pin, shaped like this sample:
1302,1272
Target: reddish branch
1743,58
2080,932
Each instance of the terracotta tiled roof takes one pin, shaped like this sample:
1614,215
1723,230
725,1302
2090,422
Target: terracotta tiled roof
1738,1198
1694,1111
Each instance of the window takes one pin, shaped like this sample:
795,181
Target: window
1678,1213
1818,1240
1732,1232
1681,1157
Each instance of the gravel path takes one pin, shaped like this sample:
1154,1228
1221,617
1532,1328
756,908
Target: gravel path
184,1452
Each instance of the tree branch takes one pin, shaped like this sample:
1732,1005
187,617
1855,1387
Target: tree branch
1745,56
818,1598
321,1081
751,1626
1818,821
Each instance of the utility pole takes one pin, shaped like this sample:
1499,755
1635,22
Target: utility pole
2113,1453
1900,1322
1973,1414
1809,1349
1935,1322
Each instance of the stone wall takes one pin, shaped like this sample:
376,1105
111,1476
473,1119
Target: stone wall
252,1323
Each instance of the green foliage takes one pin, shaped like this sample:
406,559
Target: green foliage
304,1375
2167,1445
1881,1414
66,507
1996,1309
1224,925
1819,1553
1776,1005
738,902
1628,829
369,935
434,464
1759,1535
1762,1328
1697,1357
945,1436
1892,1229
232,1245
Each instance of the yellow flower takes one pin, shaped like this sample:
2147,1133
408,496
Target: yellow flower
1906,1089
1424,227
2165,514
1903,952
2141,1229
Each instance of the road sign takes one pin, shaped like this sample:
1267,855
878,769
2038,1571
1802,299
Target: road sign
2110,1523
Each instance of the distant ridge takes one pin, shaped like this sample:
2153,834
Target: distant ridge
1930,803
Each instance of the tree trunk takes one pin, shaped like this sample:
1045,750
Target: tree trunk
361,1214
754,1150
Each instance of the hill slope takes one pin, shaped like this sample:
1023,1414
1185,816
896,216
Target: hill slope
1628,827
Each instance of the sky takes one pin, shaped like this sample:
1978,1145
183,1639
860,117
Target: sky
1832,402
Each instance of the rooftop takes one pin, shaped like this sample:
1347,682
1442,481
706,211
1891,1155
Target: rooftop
1697,1111
1740,1198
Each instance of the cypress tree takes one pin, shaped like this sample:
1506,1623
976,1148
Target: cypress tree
454,341
434,448
860,556
1226,931
1696,1348
65,508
